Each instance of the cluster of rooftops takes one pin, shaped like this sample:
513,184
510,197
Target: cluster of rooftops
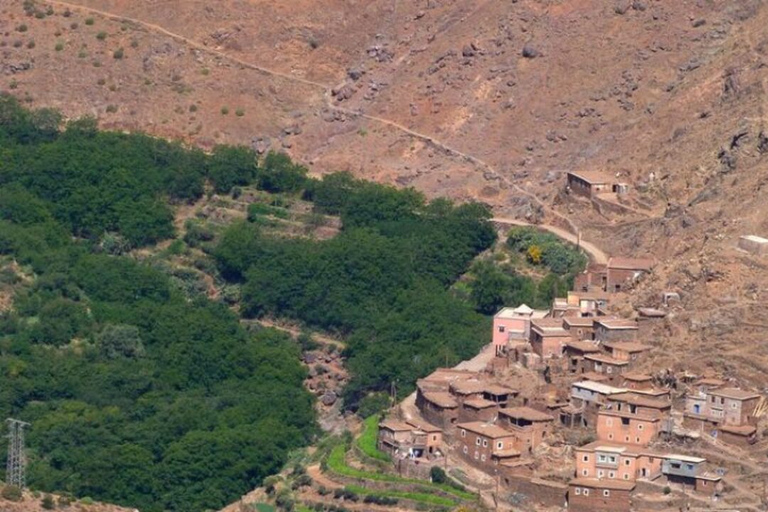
592,365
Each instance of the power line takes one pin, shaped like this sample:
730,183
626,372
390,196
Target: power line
16,467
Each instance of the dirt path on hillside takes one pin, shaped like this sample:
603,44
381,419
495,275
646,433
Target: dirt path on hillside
295,332
319,478
326,88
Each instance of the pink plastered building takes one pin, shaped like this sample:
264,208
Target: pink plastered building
513,324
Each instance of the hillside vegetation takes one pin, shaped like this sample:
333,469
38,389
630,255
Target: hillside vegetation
382,282
136,395
142,391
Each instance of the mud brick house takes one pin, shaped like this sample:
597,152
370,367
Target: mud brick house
739,435
622,273
513,324
587,398
633,403
630,351
574,352
547,337
412,440
706,384
689,473
586,304
589,183
594,277
478,409
581,328
485,445
438,407
591,494
442,378
654,392
466,389
615,329
528,425
498,394
625,427
606,365
722,406
595,377
559,307
636,381
615,461
392,434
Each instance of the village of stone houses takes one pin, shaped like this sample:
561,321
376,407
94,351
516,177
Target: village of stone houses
562,411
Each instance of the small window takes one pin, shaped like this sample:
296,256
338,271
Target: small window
610,437
434,438
733,405
637,440
465,449
600,473
689,467
477,441
577,491
463,433
626,439
639,427
627,462
585,458
499,445
586,492
485,443
608,369
501,328
626,476
585,472
611,474
606,492
482,458
477,455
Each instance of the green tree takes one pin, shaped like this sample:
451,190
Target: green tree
231,166
120,341
279,174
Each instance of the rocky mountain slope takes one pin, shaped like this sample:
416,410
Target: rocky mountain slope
474,99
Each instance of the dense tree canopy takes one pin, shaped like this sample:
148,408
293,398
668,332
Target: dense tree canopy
383,282
136,394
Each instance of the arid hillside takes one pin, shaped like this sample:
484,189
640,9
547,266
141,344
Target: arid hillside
473,99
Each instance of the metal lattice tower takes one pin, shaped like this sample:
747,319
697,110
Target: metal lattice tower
16,468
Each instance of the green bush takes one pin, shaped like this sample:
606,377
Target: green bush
12,493
48,503
101,36
374,404
89,21
118,54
